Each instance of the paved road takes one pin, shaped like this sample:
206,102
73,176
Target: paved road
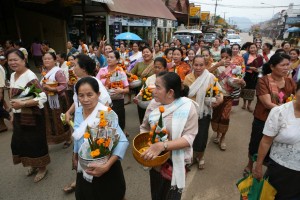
215,182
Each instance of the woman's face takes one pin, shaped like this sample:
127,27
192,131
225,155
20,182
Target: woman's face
177,56
196,46
294,55
72,60
156,47
170,55
147,55
15,62
202,44
281,69
184,50
216,43
158,67
122,48
48,61
91,50
191,55
111,59
135,47
79,71
253,49
69,45
225,56
199,66
206,55
286,47
107,49
87,96
235,50
160,93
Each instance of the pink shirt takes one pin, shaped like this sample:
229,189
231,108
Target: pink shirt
36,49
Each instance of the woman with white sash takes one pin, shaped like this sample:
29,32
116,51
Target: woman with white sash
57,132
98,181
198,81
178,111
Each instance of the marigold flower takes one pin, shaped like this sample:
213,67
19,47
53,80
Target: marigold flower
96,152
144,79
151,133
107,142
100,141
109,109
164,131
86,135
216,79
156,140
153,128
161,109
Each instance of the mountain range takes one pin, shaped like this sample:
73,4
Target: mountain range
243,23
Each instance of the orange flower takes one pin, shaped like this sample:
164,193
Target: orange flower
43,73
86,135
68,63
156,140
153,128
109,109
102,123
164,131
118,49
107,142
151,133
97,152
144,79
161,109
100,141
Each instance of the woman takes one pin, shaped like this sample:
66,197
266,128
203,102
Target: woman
169,55
28,143
266,51
134,56
71,50
107,179
239,61
273,83
221,114
184,49
57,132
190,56
160,65
109,75
253,61
123,52
198,81
281,134
144,69
179,67
157,52
182,133
207,56
286,46
85,67
216,50
295,64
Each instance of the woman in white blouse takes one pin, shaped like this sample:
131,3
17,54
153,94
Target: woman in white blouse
282,134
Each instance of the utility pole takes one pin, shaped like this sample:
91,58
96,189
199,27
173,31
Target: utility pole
216,5
224,15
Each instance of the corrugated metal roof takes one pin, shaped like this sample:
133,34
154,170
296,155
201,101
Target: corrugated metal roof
147,8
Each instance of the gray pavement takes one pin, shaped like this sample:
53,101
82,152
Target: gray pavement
215,182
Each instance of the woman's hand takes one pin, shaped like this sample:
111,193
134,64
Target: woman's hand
135,100
119,90
68,117
218,102
97,169
257,172
239,81
48,88
75,161
16,104
153,151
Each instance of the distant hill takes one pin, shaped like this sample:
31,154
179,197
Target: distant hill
242,22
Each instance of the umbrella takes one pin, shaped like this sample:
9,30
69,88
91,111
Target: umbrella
293,29
128,36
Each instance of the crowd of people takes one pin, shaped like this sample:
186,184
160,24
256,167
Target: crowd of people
197,84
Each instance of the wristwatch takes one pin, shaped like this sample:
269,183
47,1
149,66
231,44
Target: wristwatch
165,145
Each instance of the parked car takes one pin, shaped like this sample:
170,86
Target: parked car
234,39
187,36
209,37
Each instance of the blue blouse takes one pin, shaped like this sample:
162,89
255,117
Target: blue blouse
119,150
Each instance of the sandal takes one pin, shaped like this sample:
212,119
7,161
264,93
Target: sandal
201,164
31,171
246,172
70,188
67,144
222,146
217,140
243,107
40,176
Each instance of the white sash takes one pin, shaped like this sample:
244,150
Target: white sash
180,109
53,99
198,88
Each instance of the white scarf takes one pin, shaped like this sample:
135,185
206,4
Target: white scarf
198,88
180,109
53,100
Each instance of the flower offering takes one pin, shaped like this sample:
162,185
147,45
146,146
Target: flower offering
158,131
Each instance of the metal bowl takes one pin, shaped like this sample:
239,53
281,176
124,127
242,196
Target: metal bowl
135,84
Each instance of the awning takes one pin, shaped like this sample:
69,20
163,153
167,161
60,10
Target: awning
293,30
145,8
293,20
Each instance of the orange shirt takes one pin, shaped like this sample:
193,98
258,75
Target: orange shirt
182,69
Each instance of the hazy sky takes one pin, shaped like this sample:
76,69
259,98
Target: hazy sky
254,14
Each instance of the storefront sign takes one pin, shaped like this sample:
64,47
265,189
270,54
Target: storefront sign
160,23
117,30
129,21
205,16
195,11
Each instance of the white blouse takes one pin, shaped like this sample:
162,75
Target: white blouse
285,128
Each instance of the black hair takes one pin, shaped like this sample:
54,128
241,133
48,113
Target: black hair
19,53
178,49
235,45
162,61
51,54
187,51
227,50
116,53
296,50
88,80
172,81
167,51
178,40
246,45
269,45
199,56
227,40
274,60
218,40
282,45
18,43
279,51
10,42
185,46
45,42
86,63
74,57
62,55
298,85
205,49
147,47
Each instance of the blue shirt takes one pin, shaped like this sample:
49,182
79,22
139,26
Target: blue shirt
102,60
119,150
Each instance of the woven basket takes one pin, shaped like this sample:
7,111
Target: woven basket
139,142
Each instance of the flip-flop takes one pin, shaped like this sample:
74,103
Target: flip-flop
40,176
201,164
31,171
70,188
